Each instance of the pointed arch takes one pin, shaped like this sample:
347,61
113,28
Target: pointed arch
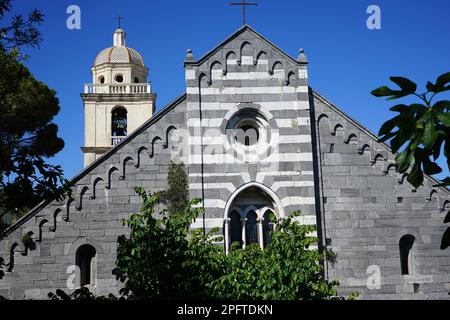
154,140
124,166
55,219
203,79
363,149
93,187
80,197
433,192
168,133
68,206
216,65
247,51
291,79
336,128
41,225
140,150
445,205
351,139
261,56
389,167
377,157
276,65
109,175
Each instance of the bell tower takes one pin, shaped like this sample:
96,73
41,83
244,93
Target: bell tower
118,100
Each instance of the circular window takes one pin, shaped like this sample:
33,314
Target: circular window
248,128
119,78
246,132
101,79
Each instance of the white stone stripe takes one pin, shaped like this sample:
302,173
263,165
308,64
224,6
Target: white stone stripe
220,140
190,74
297,201
245,175
292,123
247,90
212,203
308,220
230,159
209,223
224,185
291,184
269,106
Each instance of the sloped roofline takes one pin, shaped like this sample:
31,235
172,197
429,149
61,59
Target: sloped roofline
233,36
171,105
364,129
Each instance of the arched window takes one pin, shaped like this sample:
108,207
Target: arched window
255,206
251,230
118,124
268,226
101,79
406,253
86,262
235,227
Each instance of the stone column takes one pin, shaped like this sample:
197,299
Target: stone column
227,234
260,232
243,221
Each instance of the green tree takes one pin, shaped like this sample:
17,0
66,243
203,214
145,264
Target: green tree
176,197
420,130
163,258
21,31
287,269
27,135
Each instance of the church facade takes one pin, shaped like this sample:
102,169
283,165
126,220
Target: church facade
255,139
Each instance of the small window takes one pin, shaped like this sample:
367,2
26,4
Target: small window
406,253
119,78
331,147
86,262
136,80
399,199
101,79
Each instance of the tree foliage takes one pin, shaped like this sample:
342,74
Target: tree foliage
420,130
20,31
163,258
176,197
27,135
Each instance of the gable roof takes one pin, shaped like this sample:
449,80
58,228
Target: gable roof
240,31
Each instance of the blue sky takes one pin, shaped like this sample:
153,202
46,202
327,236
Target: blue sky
347,60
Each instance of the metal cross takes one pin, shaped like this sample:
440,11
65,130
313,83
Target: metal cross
119,18
243,4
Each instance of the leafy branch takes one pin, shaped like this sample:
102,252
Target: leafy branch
421,130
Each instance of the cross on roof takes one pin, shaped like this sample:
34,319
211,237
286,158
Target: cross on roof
119,18
244,5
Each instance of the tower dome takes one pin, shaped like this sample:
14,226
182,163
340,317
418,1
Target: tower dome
119,52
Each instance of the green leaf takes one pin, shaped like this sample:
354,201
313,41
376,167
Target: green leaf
415,177
383,91
430,134
441,84
404,160
430,167
406,85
